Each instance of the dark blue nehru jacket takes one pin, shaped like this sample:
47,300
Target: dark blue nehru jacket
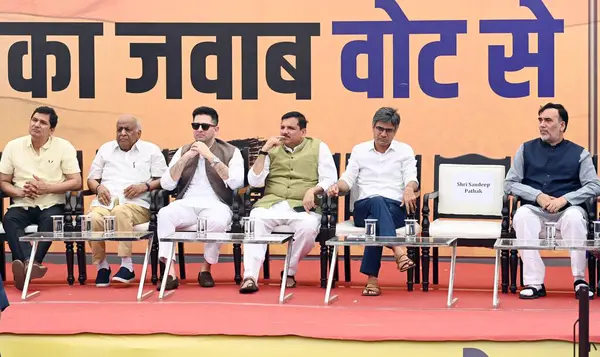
554,170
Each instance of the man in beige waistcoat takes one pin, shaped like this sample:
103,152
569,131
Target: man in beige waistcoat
293,169
204,174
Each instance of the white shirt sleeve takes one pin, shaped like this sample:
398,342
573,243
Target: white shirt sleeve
255,180
326,168
236,171
97,165
159,165
409,168
352,169
166,181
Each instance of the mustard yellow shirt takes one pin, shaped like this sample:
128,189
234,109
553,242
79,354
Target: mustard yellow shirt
56,159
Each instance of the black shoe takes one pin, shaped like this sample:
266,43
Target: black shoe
103,278
535,293
580,283
172,283
205,279
124,276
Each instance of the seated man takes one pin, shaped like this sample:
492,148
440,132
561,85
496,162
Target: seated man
122,175
204,173
553,176
36,170
3,299
293,169
385,173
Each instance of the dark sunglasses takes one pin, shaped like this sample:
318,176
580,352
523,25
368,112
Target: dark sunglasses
204,126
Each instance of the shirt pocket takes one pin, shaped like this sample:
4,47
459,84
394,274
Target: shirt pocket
141,169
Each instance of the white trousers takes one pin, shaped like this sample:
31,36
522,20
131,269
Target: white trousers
571,224
179,215
304,225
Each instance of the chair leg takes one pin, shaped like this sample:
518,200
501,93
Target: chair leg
70,262
267,265
237,263
324,258
154,260
81,263
181,252
347,264
504,267
425,261
521,272
514,267
2,260
592,272
410,273
436,266
417,262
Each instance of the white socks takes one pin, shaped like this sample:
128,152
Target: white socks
103,265
127,262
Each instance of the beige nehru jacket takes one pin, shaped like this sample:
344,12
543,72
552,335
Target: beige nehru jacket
56,159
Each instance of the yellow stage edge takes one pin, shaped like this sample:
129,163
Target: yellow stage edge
193,346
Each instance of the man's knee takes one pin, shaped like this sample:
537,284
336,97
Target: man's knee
121,211
308,229
573,215
523,215
166,214
377,200
12,218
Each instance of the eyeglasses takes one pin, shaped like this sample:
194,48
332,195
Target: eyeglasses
205,126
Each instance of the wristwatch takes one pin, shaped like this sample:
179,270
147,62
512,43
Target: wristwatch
148,186
215,161
261,152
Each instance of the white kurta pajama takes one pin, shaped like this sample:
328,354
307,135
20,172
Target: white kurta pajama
571,224
199,200
305,225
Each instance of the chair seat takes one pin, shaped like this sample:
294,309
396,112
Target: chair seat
465,228
348,227
29,229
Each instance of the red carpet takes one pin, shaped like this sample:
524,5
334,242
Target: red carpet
395,315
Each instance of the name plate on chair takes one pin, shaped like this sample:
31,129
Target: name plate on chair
471,189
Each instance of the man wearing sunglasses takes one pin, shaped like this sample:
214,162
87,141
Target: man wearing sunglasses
122,175
204,174
293,169
384,171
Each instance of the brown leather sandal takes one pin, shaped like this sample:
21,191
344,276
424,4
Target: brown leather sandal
404,263
371,289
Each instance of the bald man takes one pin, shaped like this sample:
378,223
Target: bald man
122,175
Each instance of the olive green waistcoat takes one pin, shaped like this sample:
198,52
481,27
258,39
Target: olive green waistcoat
291,174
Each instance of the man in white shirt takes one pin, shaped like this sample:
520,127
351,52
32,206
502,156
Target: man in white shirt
122,175
385,173
293,168
204,173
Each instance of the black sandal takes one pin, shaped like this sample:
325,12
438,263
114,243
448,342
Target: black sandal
536,293
289,278
580,283
205,279
248,286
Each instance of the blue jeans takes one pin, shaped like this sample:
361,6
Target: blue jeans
390,216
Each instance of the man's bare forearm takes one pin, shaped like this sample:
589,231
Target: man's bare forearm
343,187
177,169
10,190
72,184
259,164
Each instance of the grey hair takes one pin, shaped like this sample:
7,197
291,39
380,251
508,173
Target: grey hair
387,115
138,123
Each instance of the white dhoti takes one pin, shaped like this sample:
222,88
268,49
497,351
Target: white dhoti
305,226
179,214
572,225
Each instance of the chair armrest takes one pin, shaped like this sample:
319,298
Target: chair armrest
426,211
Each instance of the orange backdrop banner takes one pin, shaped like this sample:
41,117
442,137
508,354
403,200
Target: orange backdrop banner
467,77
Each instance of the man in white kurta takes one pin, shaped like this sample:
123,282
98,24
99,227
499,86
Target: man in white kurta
293,169
204,174
122,175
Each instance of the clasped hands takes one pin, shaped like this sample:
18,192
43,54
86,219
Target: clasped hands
130,191
551,204
35,188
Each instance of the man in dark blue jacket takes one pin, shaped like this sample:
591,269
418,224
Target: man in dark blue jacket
554,178
3,299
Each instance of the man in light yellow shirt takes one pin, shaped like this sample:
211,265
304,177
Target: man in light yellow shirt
36,170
